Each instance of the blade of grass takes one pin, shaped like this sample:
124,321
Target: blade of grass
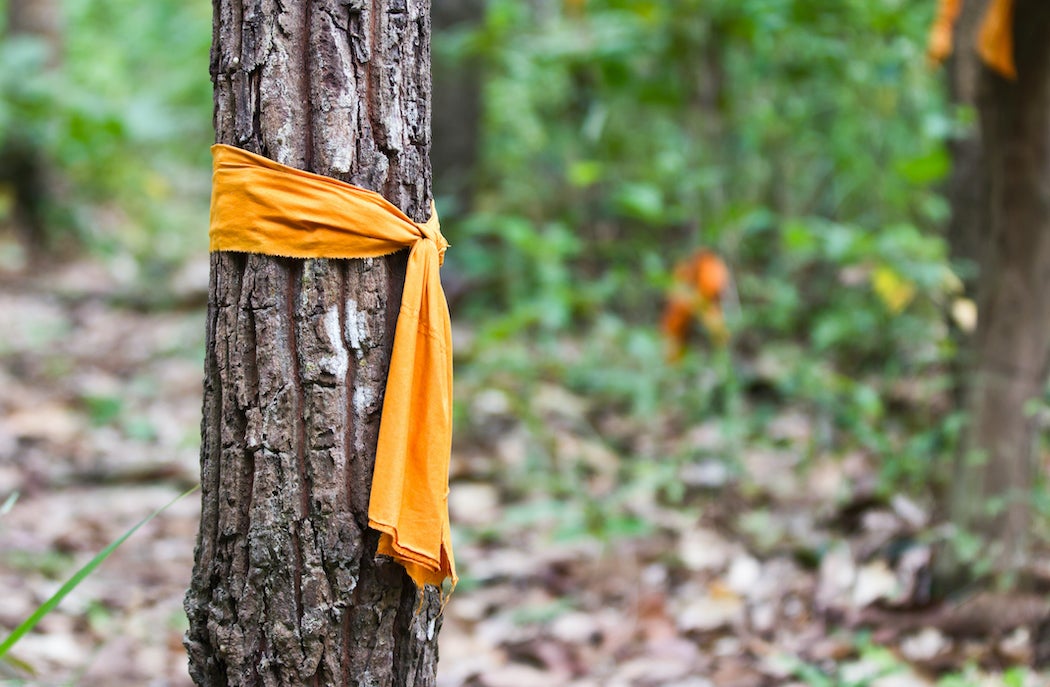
15,669
9,503
78,577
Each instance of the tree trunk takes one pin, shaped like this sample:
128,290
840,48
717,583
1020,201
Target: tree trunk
1013,332
24,168
40,18
968,181
457,107
286,587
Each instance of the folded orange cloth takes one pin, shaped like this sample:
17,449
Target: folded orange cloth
995,42
261,206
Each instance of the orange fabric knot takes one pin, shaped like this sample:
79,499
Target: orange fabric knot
261,206
432,232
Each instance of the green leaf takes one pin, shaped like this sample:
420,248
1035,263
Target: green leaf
9,503
584,173
641,201
103,409
927,168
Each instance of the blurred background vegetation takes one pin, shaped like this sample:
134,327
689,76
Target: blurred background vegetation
593,146
804,141
109,100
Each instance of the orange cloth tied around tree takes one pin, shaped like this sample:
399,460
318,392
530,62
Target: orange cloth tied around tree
995,42
261,206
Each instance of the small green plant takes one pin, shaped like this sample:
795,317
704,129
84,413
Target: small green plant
29,623
874,662
971,677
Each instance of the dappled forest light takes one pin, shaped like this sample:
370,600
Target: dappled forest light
748,318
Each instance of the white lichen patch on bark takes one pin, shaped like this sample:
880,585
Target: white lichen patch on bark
356,326
363,399
339,362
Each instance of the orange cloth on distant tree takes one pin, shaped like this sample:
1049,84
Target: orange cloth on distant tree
700,284
996,40
940,43
261,206
995,43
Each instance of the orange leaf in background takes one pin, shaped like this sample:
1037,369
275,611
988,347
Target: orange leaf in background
678,318
700,284
711,274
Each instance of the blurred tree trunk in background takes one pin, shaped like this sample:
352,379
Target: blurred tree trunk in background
286,587
23,169
968,181
966,192
457,107
992,489
40,18
456,126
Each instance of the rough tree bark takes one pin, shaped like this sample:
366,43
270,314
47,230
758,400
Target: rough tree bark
1012,343
286,588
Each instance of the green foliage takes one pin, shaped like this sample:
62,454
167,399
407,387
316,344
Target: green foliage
644,128
1012,677
121,119
874,662
801,139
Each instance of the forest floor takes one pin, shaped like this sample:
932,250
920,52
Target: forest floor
765,576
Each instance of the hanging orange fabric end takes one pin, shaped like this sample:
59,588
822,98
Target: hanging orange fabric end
261,206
